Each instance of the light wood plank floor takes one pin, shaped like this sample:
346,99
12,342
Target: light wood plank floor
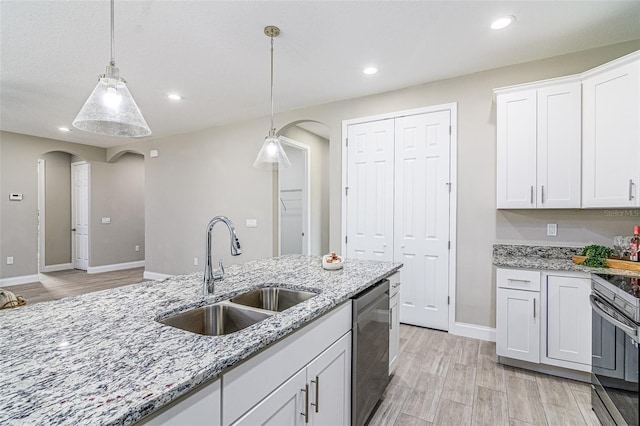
444,379
56,285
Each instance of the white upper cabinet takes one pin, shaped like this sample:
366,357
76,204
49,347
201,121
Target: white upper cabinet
558,151
538,134
611,136
516,113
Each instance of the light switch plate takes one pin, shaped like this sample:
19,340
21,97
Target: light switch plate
10,260
154,153
106,220
552,229
252,223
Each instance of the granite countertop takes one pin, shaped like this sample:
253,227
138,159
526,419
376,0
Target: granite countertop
548,258
101,358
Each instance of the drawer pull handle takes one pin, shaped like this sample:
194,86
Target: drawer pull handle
531,194
534,307
630,189
317,383
306,403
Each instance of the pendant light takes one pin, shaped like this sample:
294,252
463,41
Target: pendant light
272,156
110,109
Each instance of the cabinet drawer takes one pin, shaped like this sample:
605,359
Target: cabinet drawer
394,284
518,279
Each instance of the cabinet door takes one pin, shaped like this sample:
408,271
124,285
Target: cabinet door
516,148
611,138
518,324
394,332
569,319
329,378
559,146
284,406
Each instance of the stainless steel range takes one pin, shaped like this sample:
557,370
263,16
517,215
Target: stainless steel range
615,300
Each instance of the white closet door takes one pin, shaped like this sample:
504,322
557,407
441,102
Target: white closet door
370,193
80,215
422,153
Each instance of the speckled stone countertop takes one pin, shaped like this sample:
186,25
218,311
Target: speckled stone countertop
101,358
546,258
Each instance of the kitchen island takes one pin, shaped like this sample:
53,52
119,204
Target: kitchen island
102,358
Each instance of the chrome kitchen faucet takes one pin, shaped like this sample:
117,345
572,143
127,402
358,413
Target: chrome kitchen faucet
211,276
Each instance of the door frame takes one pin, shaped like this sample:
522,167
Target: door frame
41,214
453,179
73,201
306,214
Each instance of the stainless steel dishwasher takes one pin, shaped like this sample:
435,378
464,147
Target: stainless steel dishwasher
370,352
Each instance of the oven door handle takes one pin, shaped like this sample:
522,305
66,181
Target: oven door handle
631,331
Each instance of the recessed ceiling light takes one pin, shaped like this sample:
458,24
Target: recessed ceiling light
64,129
370,70
503,22
174,97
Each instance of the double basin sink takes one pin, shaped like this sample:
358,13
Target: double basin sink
238,312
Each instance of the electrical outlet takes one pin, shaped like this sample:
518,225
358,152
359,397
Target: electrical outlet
252,223
10,260
137,248
195,261
106,220
552,229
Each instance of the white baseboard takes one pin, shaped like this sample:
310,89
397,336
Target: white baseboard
24,279
55,268
114,267
156,276
474,331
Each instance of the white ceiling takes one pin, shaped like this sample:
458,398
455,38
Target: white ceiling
215,54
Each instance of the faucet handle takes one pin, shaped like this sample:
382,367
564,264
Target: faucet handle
221,268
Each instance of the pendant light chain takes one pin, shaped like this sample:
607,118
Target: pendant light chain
113,48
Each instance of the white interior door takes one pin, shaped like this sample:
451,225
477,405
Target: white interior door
294,185
80,214
421,225
369,230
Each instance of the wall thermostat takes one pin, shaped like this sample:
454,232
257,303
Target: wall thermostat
15,197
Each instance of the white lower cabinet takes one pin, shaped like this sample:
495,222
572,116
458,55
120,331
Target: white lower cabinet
518,324
318,394
568,321
544,318
272,385
394,323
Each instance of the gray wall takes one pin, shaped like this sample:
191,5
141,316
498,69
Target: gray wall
117,192
319,148
182,185
19,219
57,238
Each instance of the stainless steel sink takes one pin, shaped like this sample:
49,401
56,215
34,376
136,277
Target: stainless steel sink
272,298
216,320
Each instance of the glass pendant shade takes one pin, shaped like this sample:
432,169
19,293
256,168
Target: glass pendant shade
110,109
272,155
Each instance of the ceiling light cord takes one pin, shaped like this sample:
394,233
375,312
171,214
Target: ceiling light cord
113,48
272,130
